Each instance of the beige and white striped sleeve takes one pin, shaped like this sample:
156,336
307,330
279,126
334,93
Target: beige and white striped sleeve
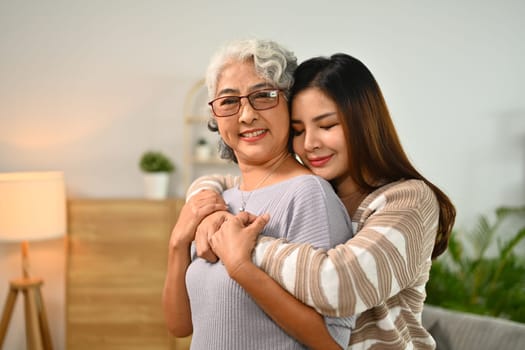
216,182
388,254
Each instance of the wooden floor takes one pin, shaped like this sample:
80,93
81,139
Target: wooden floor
116,264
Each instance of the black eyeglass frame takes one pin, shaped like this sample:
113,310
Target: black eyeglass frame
249,101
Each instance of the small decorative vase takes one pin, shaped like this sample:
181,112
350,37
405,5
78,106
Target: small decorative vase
203,152
156,185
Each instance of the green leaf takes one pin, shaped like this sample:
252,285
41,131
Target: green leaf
479,284
155,161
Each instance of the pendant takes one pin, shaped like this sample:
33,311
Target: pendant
241,209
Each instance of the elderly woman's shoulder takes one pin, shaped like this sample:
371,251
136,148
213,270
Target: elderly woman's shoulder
314,180
308,181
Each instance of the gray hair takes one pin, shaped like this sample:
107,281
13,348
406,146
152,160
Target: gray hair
272,61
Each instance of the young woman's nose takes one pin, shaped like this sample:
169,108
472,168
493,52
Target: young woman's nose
311,142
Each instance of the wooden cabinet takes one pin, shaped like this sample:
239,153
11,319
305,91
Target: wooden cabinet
115,273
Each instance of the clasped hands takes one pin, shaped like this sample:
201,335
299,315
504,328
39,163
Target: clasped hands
222,235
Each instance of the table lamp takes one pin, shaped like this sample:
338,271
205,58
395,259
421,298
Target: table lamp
32,208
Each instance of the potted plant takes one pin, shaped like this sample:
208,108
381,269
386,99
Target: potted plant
156,168
467,278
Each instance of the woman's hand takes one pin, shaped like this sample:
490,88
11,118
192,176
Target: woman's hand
205,202
192,213
234,242
207,228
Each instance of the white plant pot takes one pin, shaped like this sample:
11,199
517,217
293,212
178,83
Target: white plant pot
203,152
156,185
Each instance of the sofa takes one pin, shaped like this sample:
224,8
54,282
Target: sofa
455,330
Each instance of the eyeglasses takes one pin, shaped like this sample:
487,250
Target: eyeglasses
226,106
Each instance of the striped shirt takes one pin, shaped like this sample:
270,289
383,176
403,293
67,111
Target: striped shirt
379,275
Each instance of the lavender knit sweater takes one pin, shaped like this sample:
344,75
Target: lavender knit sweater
302,209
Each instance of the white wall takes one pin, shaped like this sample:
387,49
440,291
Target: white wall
86,86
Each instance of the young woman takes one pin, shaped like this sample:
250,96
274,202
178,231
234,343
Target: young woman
248,83
342,131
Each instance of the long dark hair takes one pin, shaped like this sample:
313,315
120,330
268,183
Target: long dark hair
375,154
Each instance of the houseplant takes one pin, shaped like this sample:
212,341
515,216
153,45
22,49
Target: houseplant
156,168
468,278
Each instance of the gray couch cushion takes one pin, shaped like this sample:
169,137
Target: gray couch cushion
454,330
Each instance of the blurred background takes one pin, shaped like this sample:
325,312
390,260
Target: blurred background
87,86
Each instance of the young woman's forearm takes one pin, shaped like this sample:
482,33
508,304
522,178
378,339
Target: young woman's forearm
216,183
394,245
295,318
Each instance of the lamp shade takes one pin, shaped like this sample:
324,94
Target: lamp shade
32,206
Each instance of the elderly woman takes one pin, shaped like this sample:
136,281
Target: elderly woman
248,82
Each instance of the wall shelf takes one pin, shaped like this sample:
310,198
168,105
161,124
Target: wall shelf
196,116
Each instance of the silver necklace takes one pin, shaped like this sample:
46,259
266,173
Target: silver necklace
259,184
